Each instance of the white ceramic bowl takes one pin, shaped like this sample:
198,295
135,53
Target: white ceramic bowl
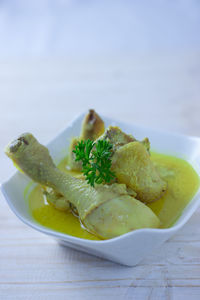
130,248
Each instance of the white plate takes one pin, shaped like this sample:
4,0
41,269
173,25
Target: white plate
129,248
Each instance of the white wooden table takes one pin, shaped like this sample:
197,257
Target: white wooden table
42,96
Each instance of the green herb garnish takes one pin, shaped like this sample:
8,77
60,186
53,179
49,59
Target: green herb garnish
96,161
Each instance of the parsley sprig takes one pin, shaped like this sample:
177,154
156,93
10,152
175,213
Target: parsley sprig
96,160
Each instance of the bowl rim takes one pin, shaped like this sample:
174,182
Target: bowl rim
59,235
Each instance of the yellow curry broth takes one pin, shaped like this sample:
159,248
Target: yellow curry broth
182,181
48,216
181,178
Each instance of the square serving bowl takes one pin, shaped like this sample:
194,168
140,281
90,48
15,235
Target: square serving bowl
128,249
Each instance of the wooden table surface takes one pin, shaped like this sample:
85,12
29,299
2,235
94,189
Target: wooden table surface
42,96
